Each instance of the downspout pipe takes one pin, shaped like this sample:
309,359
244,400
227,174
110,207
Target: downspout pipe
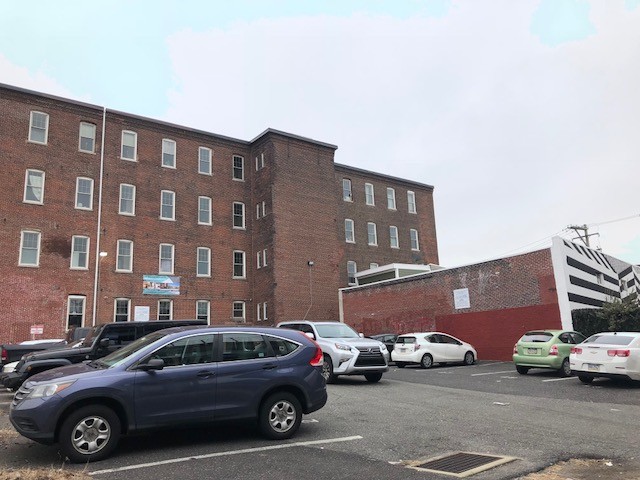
99,228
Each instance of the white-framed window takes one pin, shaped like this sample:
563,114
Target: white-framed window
599,278
372,234
411,202
264,257
238,311
75,311
167,205
263,205
373,265
39,127
34,187
238,168
165,309
259,312
391,198
352,269
84,193
264,311
259,259
29,249
204,210
369,195
87,141
79,252
349,232
347,195
203,268
124,262
204,160
393,237
260,162
203,309
238,215
165,258
127,203
121,309
168,153
261,209
129,149
415,245
239,270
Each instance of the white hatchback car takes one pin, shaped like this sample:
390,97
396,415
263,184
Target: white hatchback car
607,354
427,348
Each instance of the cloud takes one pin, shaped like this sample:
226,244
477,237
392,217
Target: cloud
12,74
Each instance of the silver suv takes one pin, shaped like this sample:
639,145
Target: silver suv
345,351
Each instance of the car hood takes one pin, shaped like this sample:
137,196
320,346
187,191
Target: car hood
356,342
68,372
57,353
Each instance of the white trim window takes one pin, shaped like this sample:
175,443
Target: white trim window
79,252
204,211
411,202
259,312
238,168
369,194
124,256
264,311
167,205
29,249
127,203
373,265
129,148
168,153
34,187
165,309
84,193
238,311
264,257
121,309
75,311
203,267
372,234
239,264
204,160
87,140
349,231
39,127
259,259
352,269
391,198
347,194
165,258
415,245
238,215
260,162
393,237
261,210
203,309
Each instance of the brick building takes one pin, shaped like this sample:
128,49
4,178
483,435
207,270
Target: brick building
155,220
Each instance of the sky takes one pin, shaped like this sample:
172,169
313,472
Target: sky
523,114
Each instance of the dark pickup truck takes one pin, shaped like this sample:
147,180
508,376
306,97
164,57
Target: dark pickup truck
12,352
99,342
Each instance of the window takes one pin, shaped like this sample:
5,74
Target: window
373,265
349,234
80,252
238,215
351,272
193,350
261,209
238,168
39,127
129,145
599,278
411,201
167,205
238,264
121,309
264,257
127,205
204,262
75,311
29,249
204,161
203,307
370,198
346,190
414,239
238,311
87,137
260,162
264,311
391,199
168,153
165,309
34,187
259,312
166,258
84,193
204,210
372,235
259,259
393,237
124,261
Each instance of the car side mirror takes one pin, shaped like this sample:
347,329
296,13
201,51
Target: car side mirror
151,364
104,343
310,335
361,335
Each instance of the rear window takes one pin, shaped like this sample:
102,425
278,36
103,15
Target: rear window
538,337
406,340
610,339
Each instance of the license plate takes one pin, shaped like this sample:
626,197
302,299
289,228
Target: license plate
532,351
402,349
592,367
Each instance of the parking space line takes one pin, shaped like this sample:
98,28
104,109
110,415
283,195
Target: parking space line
559,379
490,373
229,452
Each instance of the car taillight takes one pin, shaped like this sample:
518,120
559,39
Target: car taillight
5,356
577,350
318,358
553,350
515,349
618,353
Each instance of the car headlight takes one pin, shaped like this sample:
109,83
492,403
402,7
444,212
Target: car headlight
48,389
383,348
341,346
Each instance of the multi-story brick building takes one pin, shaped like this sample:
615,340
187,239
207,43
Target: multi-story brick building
108,216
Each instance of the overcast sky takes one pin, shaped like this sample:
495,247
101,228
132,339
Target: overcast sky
524,115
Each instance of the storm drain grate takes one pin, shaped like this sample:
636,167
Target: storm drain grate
461,464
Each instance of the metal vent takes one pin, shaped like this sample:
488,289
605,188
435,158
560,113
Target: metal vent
461,464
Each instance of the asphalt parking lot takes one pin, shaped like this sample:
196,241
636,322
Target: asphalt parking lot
375,430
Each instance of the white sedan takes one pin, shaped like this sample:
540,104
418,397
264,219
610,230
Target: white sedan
607,354
427,348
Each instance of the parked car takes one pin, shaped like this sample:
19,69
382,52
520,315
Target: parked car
345,351
545,349
12,352
607,354
427,348
389,340
174,377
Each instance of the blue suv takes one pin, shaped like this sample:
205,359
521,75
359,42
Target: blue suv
172,377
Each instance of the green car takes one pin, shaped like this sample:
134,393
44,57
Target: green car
545,349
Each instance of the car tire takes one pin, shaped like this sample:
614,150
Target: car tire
585,379
469,358
373,377
89,434
522,370
401,364
327,369
426,361
280,416
565,368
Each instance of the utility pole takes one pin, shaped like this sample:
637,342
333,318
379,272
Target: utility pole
585,233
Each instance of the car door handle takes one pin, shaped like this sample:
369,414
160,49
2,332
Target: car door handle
206,374
269,366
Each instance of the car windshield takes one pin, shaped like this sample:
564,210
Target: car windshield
336,331
406,340
536,337
609,339
121,354
92,335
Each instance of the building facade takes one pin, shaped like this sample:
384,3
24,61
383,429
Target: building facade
108,216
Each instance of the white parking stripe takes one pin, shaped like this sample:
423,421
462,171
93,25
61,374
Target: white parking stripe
222,454
559,379
490,373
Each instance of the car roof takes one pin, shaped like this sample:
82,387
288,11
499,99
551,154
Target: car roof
424,333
